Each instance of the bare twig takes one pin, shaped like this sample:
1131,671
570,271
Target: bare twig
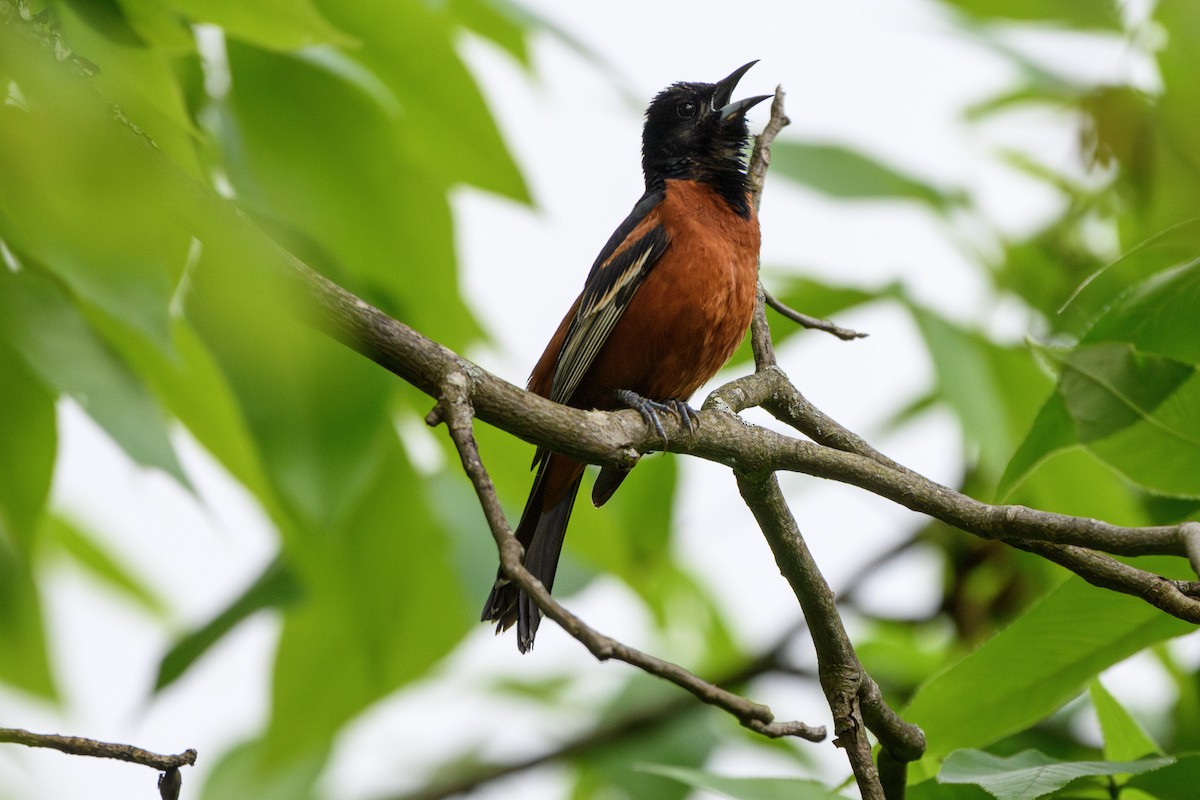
454,408
760,156
760,159
78,746
168,782
812,323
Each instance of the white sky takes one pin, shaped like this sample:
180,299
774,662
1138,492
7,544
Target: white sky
888,76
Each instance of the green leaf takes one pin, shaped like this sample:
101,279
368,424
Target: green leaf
1124,737
840,172
745,788
1120,286
316,411
158,25
1185,711
244,772
1030,669
120,249
137,75
1176,781
991,388
83,548
932,790
49,333
274,24
1051,432
1030,774
189,382
380,606
1182,92
496,20
1087,15
28,442
630,536
411,45
24,660
1158,315
1136,411
1109,387
376,219
275,588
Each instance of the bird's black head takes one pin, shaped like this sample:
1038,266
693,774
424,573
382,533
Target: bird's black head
694,131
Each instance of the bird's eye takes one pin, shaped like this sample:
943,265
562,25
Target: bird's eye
686,109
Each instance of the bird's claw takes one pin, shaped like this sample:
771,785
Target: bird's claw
689,416
650,409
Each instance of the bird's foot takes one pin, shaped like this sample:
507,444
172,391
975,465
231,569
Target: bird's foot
650,409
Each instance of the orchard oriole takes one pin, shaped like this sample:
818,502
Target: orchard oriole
665,304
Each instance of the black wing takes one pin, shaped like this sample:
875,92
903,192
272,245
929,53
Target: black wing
610,286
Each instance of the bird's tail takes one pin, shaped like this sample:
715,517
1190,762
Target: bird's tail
541,533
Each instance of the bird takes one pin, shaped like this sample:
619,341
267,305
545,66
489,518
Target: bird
664,306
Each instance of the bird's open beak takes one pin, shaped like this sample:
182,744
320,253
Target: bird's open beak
725,87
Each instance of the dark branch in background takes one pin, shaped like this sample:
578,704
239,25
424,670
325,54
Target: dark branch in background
754,453
643,720
653,716
168,782
454,408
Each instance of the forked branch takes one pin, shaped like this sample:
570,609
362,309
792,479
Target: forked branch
454,408
465,390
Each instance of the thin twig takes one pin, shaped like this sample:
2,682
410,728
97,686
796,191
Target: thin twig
760,159
655,715
840,672
78,746
760,156
455,410
812,323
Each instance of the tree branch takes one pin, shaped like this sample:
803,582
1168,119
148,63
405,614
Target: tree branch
844,681
77,746
754,453
838,666
454,408
771,660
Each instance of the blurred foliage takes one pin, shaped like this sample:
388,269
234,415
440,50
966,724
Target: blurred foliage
151,187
